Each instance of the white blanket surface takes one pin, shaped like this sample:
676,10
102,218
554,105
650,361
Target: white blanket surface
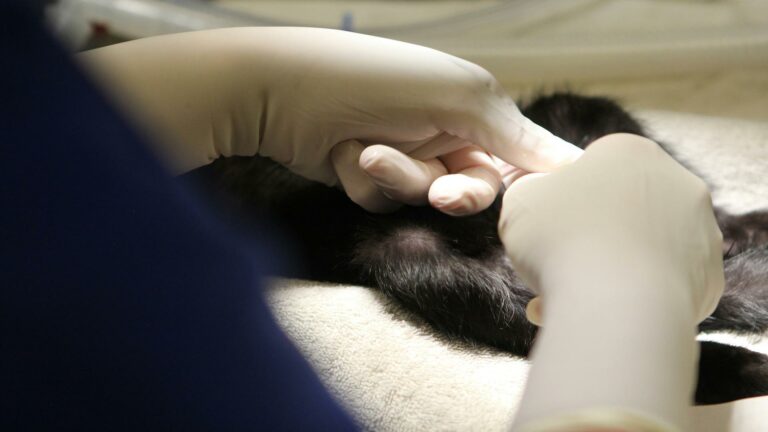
393,373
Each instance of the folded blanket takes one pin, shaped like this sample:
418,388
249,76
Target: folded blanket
393,373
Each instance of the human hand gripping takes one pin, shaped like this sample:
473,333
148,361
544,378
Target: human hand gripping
623,248
388,121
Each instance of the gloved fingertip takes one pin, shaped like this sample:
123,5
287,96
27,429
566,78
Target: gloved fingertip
398,176
533,311
357,185
373,160
453,206
563,152
365,194
553,152
535,149
460,195
385,167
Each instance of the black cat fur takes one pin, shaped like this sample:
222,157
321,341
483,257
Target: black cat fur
453,271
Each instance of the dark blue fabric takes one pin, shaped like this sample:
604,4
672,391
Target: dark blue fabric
125,306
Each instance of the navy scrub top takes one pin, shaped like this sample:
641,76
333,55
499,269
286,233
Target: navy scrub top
125,304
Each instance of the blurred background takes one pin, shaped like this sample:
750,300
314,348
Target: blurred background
700,56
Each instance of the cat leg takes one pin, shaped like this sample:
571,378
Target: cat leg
472,298
743,308
727,373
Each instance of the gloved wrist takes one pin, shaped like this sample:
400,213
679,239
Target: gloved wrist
598,350
588,268
183,90
598,420
624,250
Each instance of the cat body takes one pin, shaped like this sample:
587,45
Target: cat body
453,271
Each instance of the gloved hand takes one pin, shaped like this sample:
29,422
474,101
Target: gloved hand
624,250
386,119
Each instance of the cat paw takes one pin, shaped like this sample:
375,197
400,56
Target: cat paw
728,373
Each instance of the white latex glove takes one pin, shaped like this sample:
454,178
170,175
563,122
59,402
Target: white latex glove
624,250
321,101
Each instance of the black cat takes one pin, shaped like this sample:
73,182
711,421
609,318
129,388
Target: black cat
453,271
